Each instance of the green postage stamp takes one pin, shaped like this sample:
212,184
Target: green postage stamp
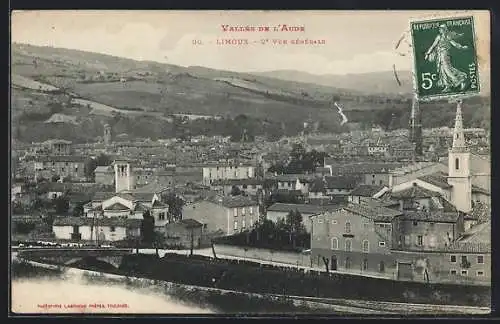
445,61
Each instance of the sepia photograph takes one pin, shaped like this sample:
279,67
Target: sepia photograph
251,163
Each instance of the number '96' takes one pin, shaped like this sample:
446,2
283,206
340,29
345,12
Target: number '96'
428,80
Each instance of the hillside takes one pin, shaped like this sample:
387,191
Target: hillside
72,94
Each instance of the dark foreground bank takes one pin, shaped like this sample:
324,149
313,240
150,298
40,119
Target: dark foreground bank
252,277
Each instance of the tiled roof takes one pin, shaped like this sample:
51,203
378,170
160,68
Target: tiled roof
55,187
61,158
414,191
117,207
293,177
150,188
302,208
430,216
480,233
438,179
341,182
87,221
233,201
375,212
232,182
364,167
366,190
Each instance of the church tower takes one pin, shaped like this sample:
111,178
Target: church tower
107,134
459,160
416,127
123,176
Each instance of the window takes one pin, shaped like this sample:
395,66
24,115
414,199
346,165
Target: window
251,222
366,246
415,223
480,259
243,224
320,220
348,227
380,182
204,226
479,273
464,272
235,212
420,240
243,211
251,210
235,225
457,164
348,245
112,229
453,272
365,264
381,244
464,259
161,216
334,222
335,243
407,239
373,182
453,258
75,229
347,263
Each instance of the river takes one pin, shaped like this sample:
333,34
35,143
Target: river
54,295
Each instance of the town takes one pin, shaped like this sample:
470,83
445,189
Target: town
407,204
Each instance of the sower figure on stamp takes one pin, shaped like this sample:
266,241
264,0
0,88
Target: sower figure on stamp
439,52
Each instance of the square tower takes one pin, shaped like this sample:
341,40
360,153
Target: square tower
123,175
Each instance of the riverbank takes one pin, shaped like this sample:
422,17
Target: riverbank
218,300
342,303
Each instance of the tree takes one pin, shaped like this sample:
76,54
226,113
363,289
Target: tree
175,206
147,228
103,160
61,205
78,210
55,178
235,191
89,168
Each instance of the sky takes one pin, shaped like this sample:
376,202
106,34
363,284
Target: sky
354,41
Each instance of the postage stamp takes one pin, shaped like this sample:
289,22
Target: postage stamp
445,60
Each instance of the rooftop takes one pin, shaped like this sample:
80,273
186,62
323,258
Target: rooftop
341,182
366,190
430,216
414,192
375,212
108,221
60,158
438,179
302,208
233,201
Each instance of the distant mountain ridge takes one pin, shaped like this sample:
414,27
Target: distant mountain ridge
372,82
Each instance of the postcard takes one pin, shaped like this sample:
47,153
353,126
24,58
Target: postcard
250,162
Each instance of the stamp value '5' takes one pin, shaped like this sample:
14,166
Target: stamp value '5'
445,62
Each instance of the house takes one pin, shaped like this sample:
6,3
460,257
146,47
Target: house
366,192
340,185
353,237
467,260
373,173
100,229
249,186
225,171
280,211
59,165
59,147
184,233
227,214
294,182
52,190
104,175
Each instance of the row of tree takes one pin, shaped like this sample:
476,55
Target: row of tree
299,161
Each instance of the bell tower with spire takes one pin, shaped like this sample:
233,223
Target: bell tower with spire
459,160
